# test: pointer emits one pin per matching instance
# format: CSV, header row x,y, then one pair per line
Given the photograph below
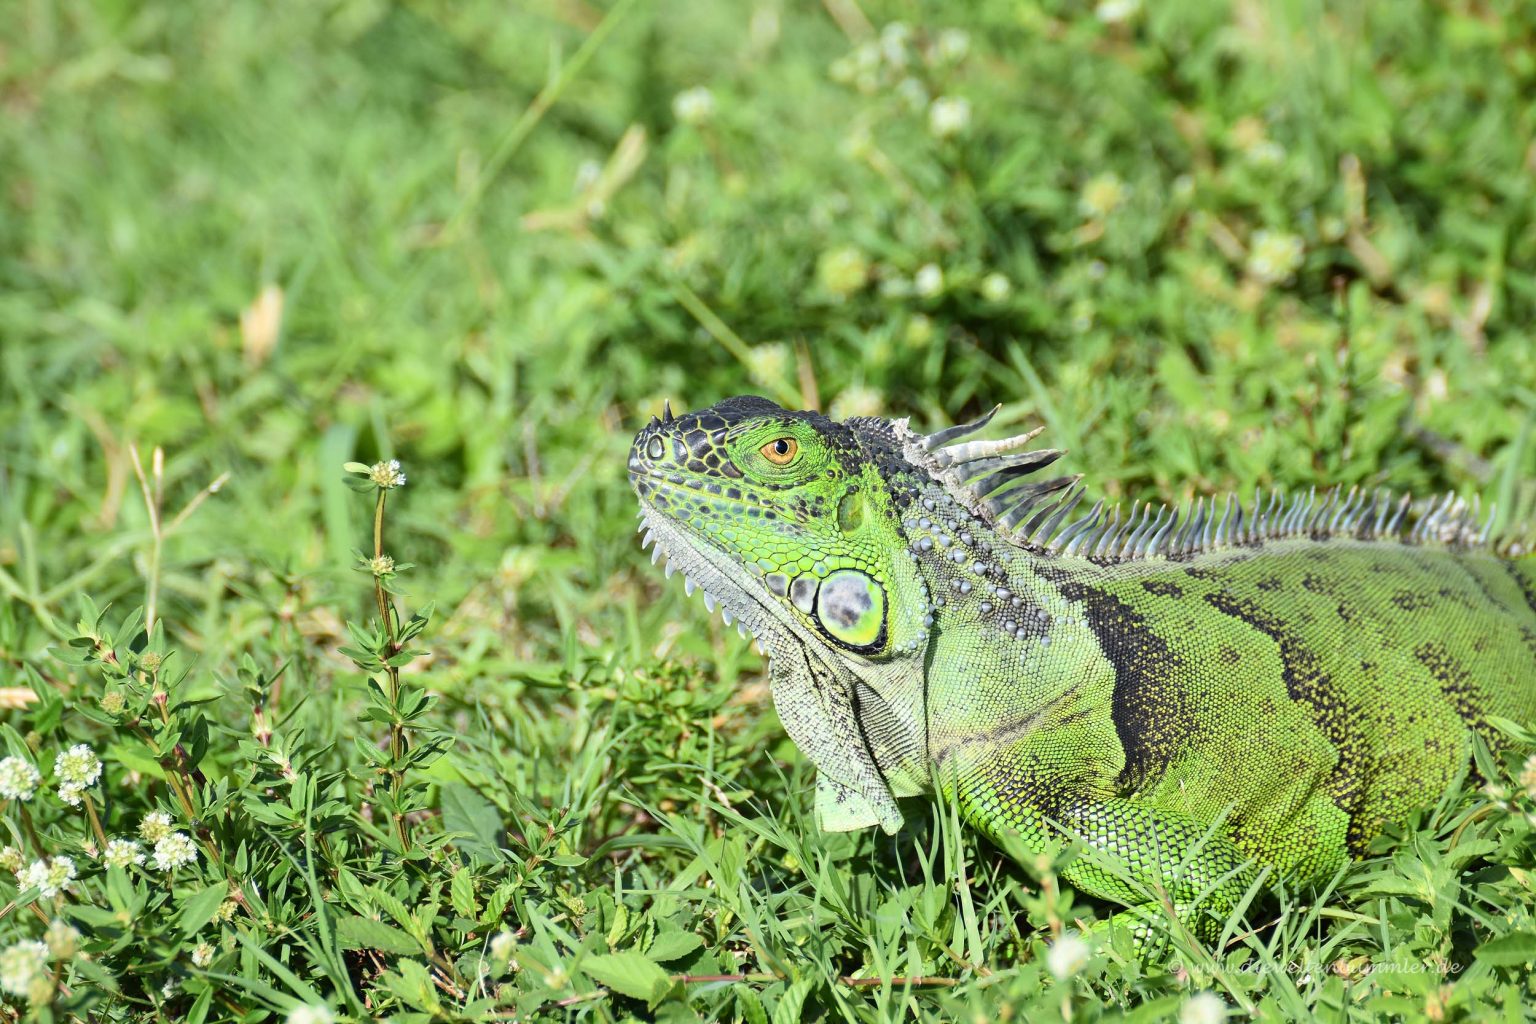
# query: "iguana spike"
x,y
1010,471
1221,536
972,451
666,411
1073,532
1487,533
1017,501
948,434
1402,509
1101,539
1045,521
1139,534
654,424
1158,545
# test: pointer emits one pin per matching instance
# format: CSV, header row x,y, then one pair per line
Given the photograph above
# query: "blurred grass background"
x,y
1209,244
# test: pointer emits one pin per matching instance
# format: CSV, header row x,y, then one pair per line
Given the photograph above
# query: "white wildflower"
x,y
694,106
387,475
122,853
1067,955
49,878
1116,12
1274,256
1203,1008
174,850
11,860
769,363
996,287
78,766
929,280
1102,195
952,45
155,826
1528,777
71,793
855,401
894,40
18,778
949,116
842,271
22,963
202,956
311,1015
62,939
503,945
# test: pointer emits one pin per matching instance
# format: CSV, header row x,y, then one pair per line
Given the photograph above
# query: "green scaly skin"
x,y
1197,716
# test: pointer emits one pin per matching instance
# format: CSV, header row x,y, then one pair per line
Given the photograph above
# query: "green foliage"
x,y
1209,245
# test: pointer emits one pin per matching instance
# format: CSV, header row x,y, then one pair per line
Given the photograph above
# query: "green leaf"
x,y
461,892
1510,950
357,932
673,944
477,820
630,974
198,909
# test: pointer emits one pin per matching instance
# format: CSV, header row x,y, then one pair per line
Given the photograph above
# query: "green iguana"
x,y
1198,697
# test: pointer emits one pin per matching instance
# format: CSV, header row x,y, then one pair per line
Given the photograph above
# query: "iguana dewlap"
x,y
1196,697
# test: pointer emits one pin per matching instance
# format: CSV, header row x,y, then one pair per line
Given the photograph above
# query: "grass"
x,y
1208,245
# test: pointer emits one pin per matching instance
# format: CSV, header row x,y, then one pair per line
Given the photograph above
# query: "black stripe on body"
x,y
1150,705
1309,684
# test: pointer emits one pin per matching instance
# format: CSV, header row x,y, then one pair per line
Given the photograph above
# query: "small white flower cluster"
x,y
387,475
77,769
49,878
21,965
1067,956
1274,256
174,851
303,1014
888,59
694,106
1203,1008
928,282
122,853
1117,12
1102,195
18,778
202,956
949,116
155,826
1528,777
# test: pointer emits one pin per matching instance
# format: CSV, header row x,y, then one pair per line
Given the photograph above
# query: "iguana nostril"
x,y
655,449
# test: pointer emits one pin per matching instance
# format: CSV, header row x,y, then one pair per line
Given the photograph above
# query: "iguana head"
x,y
825,539
785,520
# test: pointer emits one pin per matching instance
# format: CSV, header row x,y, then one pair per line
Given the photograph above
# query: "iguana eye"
x,y
782,451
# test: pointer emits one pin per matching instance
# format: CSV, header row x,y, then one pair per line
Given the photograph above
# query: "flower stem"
x,y
31,831
90,812
397,737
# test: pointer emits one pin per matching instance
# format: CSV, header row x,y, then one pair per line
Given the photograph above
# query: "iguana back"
x,y
1196,697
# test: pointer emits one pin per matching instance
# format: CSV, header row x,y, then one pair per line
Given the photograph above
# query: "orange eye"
x,y
781,452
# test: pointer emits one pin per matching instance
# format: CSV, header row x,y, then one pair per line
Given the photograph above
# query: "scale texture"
x,y
1197,697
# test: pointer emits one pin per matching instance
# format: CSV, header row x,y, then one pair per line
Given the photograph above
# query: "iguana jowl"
x,y
1196,696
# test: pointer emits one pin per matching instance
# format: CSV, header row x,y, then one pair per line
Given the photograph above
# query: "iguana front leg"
x,y
1138,855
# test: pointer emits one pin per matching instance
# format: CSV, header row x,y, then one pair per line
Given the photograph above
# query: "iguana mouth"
x,y
698,563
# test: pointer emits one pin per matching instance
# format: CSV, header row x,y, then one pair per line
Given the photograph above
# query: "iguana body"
x,y
1197,698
